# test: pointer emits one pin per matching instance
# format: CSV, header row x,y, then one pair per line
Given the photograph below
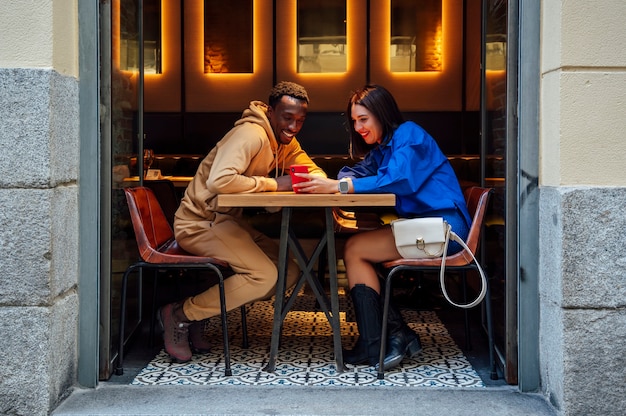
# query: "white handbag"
x,y
420,238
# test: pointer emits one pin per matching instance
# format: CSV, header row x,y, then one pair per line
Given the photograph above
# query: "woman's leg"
x,y
363,251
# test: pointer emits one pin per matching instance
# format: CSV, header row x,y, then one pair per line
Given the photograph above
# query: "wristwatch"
x,y
344,186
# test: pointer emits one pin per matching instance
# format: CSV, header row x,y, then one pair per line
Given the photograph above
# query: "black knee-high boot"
x,y
368,318
401,340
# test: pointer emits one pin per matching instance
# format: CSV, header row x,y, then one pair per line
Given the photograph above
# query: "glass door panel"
x,y
494,119
121,92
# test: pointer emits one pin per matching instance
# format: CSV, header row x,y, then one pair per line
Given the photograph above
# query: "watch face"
x,y
344,187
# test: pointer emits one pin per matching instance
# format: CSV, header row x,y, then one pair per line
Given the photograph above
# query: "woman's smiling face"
x,y
366,125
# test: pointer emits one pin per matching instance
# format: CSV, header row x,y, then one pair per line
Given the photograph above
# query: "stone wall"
x,y
583,299
39,162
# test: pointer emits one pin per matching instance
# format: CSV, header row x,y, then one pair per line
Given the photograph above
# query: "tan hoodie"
x,y
242,161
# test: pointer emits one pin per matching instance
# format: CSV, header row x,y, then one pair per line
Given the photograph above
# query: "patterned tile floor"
x,y
305,354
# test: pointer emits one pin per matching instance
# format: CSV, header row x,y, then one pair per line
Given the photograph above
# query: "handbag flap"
x,y
428,230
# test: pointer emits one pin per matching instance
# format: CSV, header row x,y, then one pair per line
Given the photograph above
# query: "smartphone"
x,y
297,169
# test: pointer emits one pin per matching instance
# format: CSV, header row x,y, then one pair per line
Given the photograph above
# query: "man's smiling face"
x,y
287,117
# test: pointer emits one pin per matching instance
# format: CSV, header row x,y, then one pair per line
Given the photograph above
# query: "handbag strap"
x,y
483,280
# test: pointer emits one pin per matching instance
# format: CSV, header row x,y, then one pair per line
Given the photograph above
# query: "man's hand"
x,y
284,183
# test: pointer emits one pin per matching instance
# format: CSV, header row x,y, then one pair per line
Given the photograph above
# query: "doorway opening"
x,y
176,108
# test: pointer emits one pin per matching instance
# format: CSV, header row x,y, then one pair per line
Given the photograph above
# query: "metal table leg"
x,y
334,289
280,288
289,240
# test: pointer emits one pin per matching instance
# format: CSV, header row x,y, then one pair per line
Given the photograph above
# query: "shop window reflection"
x,y
129,36
228,42
416,36
322,36
495,52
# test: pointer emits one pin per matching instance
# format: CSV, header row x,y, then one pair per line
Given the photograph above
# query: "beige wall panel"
x,y
26,34
592,126
583,34
65,43
41,34
593,33
550,36
583,93
550,135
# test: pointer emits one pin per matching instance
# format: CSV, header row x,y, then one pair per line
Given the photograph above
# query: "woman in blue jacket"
x,y
403,159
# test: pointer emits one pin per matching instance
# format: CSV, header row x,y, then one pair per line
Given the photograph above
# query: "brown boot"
x,y
175,327
197,337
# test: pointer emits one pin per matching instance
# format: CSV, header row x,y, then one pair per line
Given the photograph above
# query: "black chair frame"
x,y
179,266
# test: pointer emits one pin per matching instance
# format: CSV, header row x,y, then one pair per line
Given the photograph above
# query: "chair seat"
x,y
459,259
172,253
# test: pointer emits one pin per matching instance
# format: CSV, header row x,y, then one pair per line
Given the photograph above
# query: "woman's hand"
x,y
316,184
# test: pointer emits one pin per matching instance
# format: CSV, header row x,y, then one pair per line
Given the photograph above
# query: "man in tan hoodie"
x,y
253,156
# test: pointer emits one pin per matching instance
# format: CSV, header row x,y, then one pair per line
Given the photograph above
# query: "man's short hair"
x,y
287,88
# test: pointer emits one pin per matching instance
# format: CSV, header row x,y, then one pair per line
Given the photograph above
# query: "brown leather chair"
x,y
159,251
477,199
166,194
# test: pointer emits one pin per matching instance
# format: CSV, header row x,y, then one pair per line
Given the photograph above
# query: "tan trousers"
x,y
252,255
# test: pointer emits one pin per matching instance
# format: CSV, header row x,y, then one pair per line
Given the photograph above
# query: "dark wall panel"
x,y
323,133
204,130
163,132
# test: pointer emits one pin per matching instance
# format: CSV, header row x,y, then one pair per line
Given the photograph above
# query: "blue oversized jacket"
x,y
412,167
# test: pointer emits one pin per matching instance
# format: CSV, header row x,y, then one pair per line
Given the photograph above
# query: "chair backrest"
x,y
476,199
166,194
152,229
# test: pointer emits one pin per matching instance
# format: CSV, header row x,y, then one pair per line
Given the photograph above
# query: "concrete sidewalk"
x,y
289,400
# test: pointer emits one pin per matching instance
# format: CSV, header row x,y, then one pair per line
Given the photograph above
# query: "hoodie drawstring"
x,y
276,163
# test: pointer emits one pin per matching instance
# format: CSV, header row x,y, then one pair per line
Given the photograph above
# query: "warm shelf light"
x,y
328,91
438,90
224,92
415,36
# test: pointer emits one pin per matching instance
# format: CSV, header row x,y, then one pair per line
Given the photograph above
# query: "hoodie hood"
x,y
257,113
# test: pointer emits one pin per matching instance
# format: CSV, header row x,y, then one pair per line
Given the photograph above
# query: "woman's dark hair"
x,y
378,101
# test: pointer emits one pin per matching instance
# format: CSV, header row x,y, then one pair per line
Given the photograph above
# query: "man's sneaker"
x,y
175,327
198,338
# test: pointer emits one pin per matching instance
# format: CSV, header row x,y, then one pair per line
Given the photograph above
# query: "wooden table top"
x,y
292,199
